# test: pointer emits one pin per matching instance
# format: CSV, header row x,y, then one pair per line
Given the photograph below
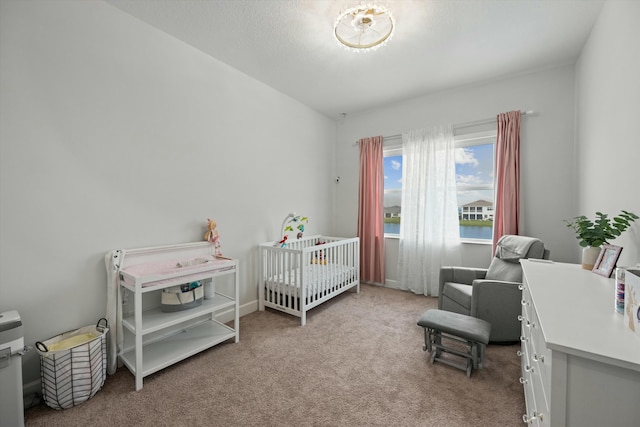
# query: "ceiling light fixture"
x,y
363,28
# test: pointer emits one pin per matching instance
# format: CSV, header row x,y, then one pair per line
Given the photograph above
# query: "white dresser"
x,y
580,363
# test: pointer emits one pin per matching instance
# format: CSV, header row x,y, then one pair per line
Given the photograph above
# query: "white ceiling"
x,y
438,44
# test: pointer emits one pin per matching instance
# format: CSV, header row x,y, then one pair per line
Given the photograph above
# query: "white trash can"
x,y
11,349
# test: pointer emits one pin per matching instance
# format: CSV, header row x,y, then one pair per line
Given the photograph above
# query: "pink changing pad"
x,y
155,273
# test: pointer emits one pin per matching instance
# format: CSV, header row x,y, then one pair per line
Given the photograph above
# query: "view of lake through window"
x,y
474,180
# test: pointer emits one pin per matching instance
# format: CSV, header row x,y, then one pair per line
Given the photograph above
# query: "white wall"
x,y
116,135
608,120
547,151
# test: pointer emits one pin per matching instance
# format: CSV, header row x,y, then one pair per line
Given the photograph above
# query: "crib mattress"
x,y
157,273
316,277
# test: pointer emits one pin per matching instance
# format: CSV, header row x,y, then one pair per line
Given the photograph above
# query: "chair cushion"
x,y
459,293
458,325
504,270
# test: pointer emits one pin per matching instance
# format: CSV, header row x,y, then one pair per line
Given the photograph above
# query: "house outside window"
x,y
474,182
477,210
392,212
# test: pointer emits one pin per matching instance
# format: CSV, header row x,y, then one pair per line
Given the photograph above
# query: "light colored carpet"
x,y
358,362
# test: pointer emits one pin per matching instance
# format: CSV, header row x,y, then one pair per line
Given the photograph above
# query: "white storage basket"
x,y
73,365
181,297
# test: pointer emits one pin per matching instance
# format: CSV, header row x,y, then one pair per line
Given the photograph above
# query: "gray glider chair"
x,y
492,294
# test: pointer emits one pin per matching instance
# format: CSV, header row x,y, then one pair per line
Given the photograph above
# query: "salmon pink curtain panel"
x,y
507,176
371,210
429,229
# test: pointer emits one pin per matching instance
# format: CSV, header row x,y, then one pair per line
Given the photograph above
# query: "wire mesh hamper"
x,y
73,365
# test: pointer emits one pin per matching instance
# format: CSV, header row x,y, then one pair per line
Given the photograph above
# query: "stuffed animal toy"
x,y
213,236
319,256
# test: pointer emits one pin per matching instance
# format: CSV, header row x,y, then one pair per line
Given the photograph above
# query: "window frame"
x,y
393,147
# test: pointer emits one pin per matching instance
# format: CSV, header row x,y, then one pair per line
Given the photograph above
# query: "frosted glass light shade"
x,y
363,28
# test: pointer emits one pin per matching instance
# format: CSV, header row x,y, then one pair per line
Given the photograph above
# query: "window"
x,y
392,189
474,181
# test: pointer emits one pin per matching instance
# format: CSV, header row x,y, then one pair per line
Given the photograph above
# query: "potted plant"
x,y
593,234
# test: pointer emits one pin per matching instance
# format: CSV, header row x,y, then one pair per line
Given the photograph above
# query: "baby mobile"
x,y
213,237
292,224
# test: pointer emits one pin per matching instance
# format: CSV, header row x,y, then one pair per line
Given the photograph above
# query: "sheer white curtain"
x,y
429,230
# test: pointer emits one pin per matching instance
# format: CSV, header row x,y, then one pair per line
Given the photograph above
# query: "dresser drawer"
x,y
527,304
529,401
536,406
541,395
539,354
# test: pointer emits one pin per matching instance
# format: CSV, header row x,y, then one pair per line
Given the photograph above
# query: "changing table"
x,y
155,339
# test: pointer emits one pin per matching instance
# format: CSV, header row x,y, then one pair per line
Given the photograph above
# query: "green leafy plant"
x,y
598,232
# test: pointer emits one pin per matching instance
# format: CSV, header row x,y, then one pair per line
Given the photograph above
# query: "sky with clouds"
x,y
474,167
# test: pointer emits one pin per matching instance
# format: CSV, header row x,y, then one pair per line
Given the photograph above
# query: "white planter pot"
x,y
589,257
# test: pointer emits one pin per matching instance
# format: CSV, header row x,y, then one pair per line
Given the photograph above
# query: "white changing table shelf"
x,y
154,339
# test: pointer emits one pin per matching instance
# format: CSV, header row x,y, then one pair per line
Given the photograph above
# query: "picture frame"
x,y
607,259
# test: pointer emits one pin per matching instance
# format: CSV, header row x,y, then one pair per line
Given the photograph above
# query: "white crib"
x,y
307,272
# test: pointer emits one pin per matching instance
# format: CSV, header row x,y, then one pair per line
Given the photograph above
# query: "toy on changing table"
x,y
213,236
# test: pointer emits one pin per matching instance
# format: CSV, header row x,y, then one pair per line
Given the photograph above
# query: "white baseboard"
x,y
227,316
31,393
394,284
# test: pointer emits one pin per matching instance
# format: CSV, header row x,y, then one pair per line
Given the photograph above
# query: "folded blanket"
x,y
513,248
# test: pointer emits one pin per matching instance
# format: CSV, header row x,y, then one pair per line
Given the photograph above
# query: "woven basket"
x,y
73,365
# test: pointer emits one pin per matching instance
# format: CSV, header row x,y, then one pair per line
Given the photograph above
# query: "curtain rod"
x,y
462,125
